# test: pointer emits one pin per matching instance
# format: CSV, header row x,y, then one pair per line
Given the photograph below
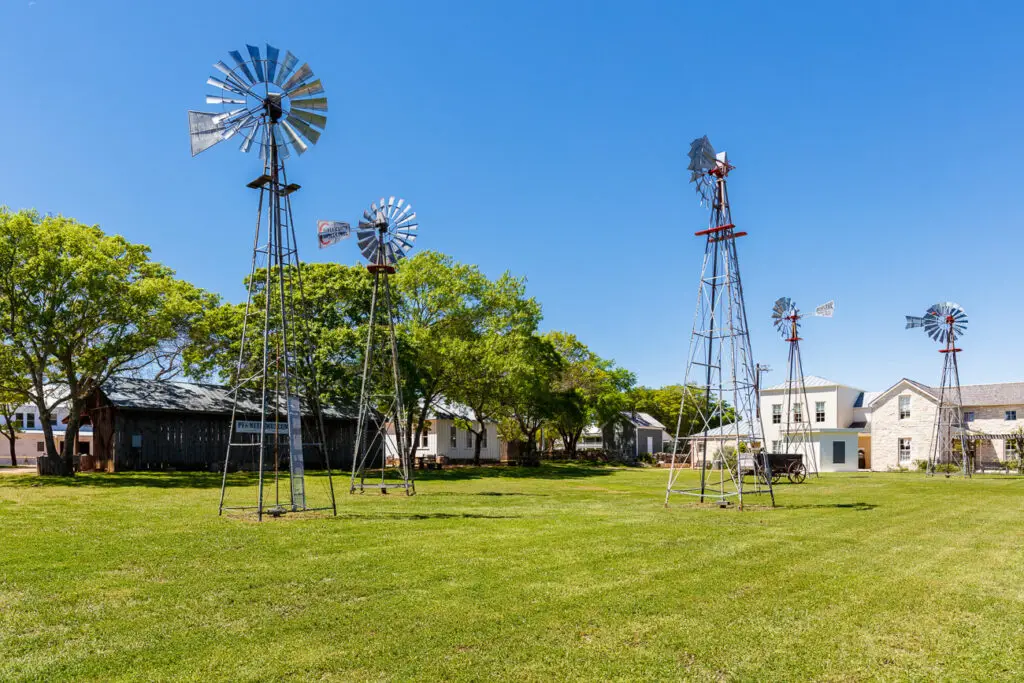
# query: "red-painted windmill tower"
x,y
945,322
720,373
796,425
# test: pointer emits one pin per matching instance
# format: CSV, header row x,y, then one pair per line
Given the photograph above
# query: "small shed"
x,y
141,424
632,434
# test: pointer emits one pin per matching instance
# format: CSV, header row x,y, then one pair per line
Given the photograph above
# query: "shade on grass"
x,y
566,572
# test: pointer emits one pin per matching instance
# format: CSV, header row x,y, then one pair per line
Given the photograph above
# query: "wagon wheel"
x,y
777,474
797,472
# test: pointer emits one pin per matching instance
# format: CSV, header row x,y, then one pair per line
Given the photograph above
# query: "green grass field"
x,y
566,572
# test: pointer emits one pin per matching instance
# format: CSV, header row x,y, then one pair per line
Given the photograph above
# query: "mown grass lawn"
x,y
566,572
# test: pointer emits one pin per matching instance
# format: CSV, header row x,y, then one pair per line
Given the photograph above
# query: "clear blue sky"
x,y
877,147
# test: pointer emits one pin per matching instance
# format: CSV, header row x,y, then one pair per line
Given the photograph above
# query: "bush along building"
x,y
142,424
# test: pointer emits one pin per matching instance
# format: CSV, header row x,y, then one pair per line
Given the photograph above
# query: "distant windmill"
x,y
945,322
796,436
386,234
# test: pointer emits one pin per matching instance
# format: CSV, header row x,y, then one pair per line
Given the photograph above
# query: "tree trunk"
x,y
476,447
14,451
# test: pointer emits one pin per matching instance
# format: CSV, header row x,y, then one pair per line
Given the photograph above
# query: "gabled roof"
x,y
924,389
184,397
810,381
1003,394
642,420
731,429
443,409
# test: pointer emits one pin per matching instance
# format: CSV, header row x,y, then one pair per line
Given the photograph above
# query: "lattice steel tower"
x,y
386,234
720,369
796,432
945,322
271,104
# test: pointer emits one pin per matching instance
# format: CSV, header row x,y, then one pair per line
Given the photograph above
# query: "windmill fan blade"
x,y
236,55
285,67
914,321
257,61
294,138
314,88
313,103
272,53
315,119
204,132
301,75
702,157
249,137
308,132
224,85
216,99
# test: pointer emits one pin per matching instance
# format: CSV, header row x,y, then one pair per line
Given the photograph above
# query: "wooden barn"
x,y
143,424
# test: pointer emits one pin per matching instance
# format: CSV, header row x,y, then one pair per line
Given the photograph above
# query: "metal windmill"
x,y
945,322
796,434
385,235
270,104
720,371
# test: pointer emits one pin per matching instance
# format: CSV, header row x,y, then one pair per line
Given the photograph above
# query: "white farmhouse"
x,y
443,437
29,440
834,425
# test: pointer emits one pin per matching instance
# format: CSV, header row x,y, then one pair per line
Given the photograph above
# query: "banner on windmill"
x,y
332,232
825,310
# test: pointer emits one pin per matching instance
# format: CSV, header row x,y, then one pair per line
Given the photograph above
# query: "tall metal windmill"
x,y
945,322
270,104
720,372
385,235
796,434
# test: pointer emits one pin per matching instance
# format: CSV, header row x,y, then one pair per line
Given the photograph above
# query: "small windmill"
x,y
385,235
796,435
945,322
720,368
270,104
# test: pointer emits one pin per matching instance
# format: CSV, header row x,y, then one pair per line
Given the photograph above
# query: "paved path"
x,y
17,470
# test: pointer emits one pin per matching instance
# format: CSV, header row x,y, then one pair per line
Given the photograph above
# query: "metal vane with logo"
x,y
332,232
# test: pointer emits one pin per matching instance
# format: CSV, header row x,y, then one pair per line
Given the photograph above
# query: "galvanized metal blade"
x,y
286,66
294,138
272,53
237,56
312,103
307,131
317,120
257,62
216,99
204,132
300,75
314,88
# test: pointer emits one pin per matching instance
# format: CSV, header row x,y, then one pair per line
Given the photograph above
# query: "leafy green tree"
x,y
591,389
78,306
528,395
484,357
663,404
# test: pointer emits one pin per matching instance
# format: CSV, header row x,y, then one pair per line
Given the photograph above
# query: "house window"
x,y
424,440
1011,415
483,438
1010,449
454,442
798,412
904,450
30,420
968,416
776,413
469,439
904,407
19,419
137,440
40,447
775,446
819,411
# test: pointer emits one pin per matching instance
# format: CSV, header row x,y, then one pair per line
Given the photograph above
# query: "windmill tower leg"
x,y
720,375
949,447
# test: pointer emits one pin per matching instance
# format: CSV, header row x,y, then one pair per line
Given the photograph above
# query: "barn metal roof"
x,y
810,381
128,393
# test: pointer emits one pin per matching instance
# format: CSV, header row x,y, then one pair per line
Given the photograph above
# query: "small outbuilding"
x,y
140,424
